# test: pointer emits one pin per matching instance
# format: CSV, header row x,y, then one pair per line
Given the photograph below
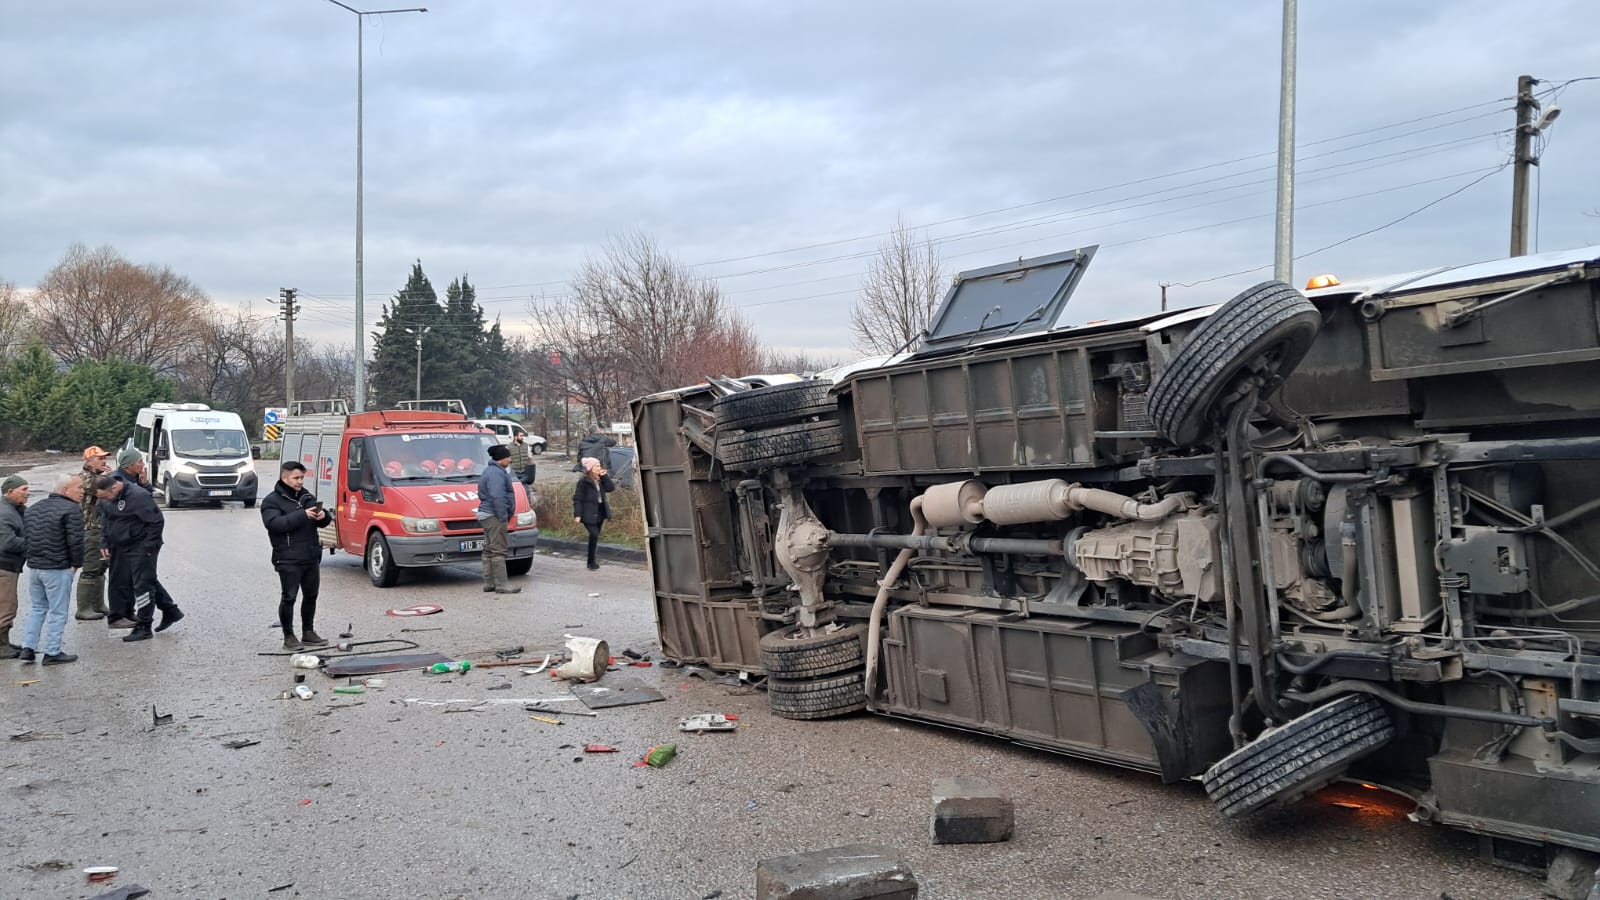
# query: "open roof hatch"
x,y
1023,297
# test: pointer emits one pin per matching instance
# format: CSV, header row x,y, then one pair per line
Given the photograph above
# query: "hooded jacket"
x,y
55,533
130,520
292,533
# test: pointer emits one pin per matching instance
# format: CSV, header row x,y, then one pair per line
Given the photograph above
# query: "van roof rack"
x,y
337,406
185,407
449,406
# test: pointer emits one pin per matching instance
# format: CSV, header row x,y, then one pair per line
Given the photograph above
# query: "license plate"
x,y
218,493
471,546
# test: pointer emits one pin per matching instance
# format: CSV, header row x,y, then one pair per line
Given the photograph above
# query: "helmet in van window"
x,y
394,469
464,464
445,466
428,466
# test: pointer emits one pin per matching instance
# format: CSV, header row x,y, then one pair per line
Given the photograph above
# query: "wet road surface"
x,y
371,796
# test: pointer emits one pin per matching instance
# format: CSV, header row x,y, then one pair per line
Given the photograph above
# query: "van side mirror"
x,y
160,453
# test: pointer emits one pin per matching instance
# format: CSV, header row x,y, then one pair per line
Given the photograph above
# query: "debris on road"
x,y
306,661
35,736
415,609
30,681
968,810
350,689
126,892
281,887
587,659
658,756
239,744
100,873
373,665
619,691
545,719
304,692
856,870
159,719
543,707
708,722
449,668
599,748
540,668
49,865
416,630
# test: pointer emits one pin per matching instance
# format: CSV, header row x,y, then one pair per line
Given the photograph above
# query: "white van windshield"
x,y
446,457
209,443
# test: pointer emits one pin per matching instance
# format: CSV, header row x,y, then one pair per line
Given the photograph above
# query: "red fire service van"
x,y
403,485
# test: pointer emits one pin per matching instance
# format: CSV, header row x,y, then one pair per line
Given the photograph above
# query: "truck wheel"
x,y
1265,330
380,564
1290,761
817,698
519,566
776,404
788,653
781,446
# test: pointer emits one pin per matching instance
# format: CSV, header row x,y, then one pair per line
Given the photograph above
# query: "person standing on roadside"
x,y
589,506
497,504
130,539
293,516
522,461
92,579
55,552
13,552
595,446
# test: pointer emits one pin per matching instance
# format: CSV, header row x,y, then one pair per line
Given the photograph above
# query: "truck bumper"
x,y
185,489
439,550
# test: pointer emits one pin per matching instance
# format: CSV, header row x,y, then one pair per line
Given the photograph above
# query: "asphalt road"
x,y
373,796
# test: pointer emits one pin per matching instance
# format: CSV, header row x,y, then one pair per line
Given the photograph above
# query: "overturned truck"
x,y
1350,532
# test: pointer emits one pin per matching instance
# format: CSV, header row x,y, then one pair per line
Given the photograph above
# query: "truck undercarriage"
x,y
1267,545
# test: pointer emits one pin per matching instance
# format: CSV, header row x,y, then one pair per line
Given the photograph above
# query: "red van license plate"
x,y
471,546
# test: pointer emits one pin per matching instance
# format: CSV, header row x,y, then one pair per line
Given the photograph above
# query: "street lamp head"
x,y
1548,119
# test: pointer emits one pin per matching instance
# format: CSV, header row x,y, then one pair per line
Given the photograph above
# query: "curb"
x,y
613,552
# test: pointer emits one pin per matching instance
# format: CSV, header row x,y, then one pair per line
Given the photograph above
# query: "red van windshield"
x,y
451,457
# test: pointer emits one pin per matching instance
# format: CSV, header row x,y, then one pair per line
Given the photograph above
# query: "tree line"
x,y
102,336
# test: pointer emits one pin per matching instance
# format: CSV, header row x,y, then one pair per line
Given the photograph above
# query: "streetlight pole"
x,y
1283,240
419,331
361,324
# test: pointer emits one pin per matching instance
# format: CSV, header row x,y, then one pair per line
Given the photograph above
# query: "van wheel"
x,y
380,564
519,566
250,504
166,495
1302,755
1264,331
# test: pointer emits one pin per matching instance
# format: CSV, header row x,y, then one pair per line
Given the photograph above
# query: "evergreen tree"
x,y
473,362
392,375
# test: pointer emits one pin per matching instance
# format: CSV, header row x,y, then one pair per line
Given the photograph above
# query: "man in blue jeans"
x,y
54,528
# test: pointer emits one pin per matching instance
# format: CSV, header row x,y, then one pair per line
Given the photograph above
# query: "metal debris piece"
x,y
28,682
545,719
162,719
239,744
619,691
708,722
546,708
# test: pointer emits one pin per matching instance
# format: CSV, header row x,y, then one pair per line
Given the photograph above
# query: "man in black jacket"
x,y
595,446
292,516
55,552
130,537
13,550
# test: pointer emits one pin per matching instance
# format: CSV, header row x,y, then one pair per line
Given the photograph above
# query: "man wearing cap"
x,y
13,552
497,503
92,579
130,538
131,468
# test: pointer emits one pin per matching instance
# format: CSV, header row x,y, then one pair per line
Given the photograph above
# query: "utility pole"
x,y
1522,163
1164,286
419,365
290,310
1283,240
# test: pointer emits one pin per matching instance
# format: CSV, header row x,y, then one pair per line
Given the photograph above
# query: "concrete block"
x,y
1573,875
970,810
854,872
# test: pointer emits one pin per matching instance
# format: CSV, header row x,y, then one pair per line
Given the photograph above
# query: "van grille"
x,y
461,525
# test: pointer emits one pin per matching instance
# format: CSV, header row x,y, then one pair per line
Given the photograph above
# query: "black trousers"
x,y
594,538
148,593
306,580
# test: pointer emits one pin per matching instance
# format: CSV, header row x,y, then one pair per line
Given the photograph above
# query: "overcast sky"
x,y
507,140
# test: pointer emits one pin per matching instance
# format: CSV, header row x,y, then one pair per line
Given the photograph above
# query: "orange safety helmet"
x,y
394,469
464,464
445,466
427,466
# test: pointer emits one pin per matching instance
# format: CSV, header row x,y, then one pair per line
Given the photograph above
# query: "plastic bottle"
x,y
448,667
304,692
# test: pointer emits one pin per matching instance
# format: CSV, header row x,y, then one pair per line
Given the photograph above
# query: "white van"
x,y
505,431
195,453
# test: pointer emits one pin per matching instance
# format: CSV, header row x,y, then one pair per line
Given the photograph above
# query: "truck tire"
x,y
519,566
785,445
777,404
787,654
380,562
1266,329
1290,761
817,698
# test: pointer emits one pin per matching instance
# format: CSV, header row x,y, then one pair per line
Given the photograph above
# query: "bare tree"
x,y
798,362
902,288
95,304
585,361
16,324
660,318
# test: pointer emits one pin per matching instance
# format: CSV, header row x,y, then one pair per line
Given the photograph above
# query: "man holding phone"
x,y
292,516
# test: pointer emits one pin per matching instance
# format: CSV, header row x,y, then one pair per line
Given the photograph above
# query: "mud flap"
x,y
1157,708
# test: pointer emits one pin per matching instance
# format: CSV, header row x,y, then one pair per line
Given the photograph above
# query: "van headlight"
x,y
527,519
245,465
182,468
419,526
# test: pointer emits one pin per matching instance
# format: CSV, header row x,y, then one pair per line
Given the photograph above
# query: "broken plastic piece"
x,y
415,609
599,748
708,722
541,667
546,719
100,873
350,689
660,755
240,744
305,661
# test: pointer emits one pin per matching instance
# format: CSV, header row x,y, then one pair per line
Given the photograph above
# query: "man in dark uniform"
x,y
130,538
292,516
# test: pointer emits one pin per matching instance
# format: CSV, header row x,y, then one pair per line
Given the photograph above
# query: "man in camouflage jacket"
x,y
92,579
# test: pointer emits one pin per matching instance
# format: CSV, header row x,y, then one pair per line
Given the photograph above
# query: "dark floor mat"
x,y
372,665
615,692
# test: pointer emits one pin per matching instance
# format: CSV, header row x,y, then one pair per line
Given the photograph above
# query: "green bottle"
x,y
445,668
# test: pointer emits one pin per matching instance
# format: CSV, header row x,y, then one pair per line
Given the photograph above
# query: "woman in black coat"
x,y
589,506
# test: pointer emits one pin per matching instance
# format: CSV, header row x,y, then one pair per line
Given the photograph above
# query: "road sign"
x,y
272,432
275,415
